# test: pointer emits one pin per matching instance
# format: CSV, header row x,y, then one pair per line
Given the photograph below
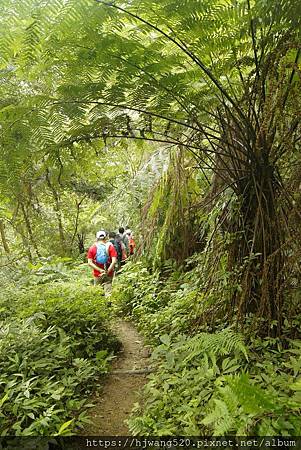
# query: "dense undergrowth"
x,y
211,378
55,345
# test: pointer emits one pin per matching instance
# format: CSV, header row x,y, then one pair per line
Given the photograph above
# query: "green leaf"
x,y
3,399
165,339
64,427
296,386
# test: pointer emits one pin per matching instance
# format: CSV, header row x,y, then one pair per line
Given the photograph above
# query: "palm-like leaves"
x,y
217,78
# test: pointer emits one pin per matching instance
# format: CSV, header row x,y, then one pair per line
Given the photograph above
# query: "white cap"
x,y
101,234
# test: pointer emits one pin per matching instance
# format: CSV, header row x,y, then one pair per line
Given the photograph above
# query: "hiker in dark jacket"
x,y
113,238
125,240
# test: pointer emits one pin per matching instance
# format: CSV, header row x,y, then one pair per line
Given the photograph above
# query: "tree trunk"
x,y
19,230
3,238
58,213
29,230
257,250
81,242
75,233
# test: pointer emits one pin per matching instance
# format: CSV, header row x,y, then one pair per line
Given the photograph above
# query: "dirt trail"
x,y
114,403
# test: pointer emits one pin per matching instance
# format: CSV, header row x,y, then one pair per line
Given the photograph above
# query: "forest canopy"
x,y
91,91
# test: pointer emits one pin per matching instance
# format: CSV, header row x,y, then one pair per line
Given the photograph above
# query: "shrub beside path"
x,y
114,403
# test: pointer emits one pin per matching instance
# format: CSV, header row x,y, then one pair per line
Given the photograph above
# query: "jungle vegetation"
x,y
181,118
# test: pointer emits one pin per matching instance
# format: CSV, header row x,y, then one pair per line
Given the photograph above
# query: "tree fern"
x,y
224,90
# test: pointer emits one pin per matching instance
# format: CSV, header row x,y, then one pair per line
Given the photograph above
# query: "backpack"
x,y
132,245
118,248
101,254
123,252
125,240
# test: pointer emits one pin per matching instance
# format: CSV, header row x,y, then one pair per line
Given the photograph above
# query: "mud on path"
x,y
113,404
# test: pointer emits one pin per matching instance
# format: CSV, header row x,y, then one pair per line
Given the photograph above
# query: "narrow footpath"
x,y
114,403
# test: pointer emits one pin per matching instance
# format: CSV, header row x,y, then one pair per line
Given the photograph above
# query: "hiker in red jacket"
x,y
132,243
102,257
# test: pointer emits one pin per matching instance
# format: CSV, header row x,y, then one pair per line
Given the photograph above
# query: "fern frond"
x,y
220,418
223,343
